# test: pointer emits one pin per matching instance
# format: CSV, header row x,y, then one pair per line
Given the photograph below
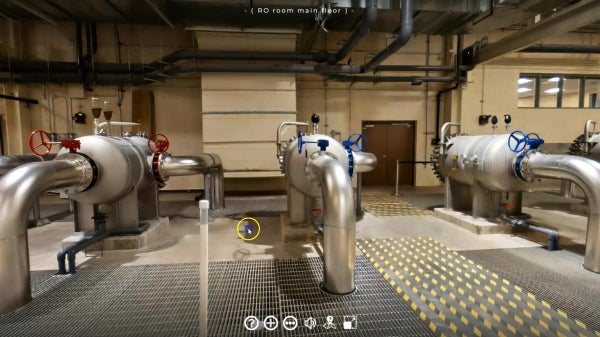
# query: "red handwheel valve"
x,y
44,142
158,143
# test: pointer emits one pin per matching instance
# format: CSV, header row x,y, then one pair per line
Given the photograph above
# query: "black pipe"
x,y
70,67
256,68
364,26
79,50
438,96
71,251
411,67
20,99
438,108
45,77
237,55
381,79
490,13
403,37
561,48
553,236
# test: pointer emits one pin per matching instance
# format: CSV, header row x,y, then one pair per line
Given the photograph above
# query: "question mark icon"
x,y
251,323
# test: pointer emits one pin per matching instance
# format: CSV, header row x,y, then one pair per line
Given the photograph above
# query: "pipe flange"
x,y
90,170
521,168
157,159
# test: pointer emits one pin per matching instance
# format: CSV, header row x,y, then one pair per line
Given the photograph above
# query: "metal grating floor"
x,y
161,300
457,297
380,204
555,277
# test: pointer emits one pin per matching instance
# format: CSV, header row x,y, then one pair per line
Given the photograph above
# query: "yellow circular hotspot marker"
x,y
237,229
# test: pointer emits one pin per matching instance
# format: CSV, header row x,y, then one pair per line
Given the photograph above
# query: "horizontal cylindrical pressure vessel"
x,y
486,160
120,165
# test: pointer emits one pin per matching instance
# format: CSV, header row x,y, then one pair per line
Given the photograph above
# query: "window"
x,y
526,92
592,88
571,92
558,91
550,87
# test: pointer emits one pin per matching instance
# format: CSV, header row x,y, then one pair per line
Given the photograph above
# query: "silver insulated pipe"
x,y
19,189
339,224
487,162
585,173
8,163
165,165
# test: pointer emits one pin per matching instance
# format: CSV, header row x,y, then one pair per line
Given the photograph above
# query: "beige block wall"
x,y
492,90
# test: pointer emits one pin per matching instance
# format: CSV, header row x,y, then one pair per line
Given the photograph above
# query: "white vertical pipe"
x,y
204,206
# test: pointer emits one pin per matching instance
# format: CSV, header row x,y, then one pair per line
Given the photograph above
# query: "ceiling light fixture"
x,y
522,90
552,90
524,80
554,79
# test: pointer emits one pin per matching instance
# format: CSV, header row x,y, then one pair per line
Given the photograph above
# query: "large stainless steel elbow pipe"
x,y
8,163
189,165
165,165
339,224
585,173
364,161
18,191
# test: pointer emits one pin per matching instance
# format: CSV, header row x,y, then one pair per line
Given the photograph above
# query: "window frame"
x,y
537,77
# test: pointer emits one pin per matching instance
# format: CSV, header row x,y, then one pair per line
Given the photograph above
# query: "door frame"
x,y
414,140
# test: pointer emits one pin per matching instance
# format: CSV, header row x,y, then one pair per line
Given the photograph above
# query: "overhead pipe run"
x,y
561,48
416,80
403,37
575,16
364,26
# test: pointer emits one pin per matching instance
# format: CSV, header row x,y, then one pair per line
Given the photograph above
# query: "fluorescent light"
x,y
552,90
522,90
554,79
524,80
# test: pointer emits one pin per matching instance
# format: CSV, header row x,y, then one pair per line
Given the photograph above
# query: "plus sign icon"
x,y
271,323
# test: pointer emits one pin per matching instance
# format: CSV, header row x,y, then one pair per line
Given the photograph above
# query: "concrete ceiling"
x,y
443,17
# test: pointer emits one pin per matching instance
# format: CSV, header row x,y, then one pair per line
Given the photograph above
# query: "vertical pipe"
x,y
585,173
339,225
204,206
359,210
20,188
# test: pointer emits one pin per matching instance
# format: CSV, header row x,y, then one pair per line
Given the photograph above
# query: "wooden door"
x,y
390,142
142,111
376,144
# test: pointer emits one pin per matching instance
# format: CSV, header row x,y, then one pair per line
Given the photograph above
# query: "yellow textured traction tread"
x,y
428,253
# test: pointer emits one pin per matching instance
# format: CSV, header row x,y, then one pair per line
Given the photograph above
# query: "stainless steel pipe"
x,y
339,224
208,164
8,163
188,165
278,142
19,190
364,161
99,126
585,173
